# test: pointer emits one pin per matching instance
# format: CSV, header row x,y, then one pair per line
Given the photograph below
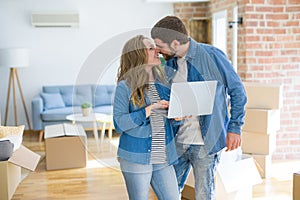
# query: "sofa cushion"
x,y
52,100
103,95
59,114
108,109
72,95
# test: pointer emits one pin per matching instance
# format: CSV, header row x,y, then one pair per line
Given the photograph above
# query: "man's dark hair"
x,y
170,28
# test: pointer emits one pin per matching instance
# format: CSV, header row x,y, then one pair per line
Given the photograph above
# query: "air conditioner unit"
x,y
55,19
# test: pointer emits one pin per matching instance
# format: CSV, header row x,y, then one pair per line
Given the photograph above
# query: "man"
x,y
200,139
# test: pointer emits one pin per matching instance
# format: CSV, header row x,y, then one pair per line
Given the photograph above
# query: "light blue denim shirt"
x,y
135,129
207,63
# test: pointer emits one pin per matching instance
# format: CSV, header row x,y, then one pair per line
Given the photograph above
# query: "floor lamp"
x,y
14,59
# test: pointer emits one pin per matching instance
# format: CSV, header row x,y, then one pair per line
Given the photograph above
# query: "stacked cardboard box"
x,y
296,186
262,121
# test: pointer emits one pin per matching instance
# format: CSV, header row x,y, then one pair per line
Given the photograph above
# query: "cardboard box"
x,y
10,170
65,146
264,95
188,191
296,186
263,164
262,121
235,176
234,180
256,143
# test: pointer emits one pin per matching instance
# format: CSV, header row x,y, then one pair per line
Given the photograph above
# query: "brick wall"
x,y
268,52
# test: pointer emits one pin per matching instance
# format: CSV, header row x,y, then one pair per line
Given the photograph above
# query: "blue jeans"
x,y
138,178
204,168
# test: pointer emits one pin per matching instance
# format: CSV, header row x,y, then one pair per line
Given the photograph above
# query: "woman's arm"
x,y
124,119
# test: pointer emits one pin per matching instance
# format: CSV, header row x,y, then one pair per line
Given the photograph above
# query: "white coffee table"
x,y
94,118
107,121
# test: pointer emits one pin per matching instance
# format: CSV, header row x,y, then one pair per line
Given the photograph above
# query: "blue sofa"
x,y
54,103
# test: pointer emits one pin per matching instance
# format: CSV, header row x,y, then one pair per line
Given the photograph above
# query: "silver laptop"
x,y
190,99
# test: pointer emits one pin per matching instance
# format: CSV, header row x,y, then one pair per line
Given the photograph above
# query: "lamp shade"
x,y
14,58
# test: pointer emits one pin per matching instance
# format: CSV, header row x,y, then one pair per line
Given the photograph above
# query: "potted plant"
x,y
86,108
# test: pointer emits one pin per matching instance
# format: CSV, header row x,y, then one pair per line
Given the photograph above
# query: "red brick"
x,y
293,156
262,23
201,9
293,9
289,52
285,37
278,156
265,60
279,2
280,60
295,59
252,38
292,45
254,46
258,1
278,9
294,2
296,30
282,142
263,53
273,24
268,38
263,9
251,23
264,31
250,60
256,68
290,66
292,23
187,10
285,122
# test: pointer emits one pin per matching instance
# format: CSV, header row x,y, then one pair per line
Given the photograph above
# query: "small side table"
x,y
106,120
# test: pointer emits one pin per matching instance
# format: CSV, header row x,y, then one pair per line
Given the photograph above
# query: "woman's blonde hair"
x,y
132,69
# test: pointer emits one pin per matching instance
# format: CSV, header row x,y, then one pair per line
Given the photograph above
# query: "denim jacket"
x,y
135,129
207,63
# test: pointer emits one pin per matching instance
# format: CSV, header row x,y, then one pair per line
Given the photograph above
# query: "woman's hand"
x,y
163,104
181,118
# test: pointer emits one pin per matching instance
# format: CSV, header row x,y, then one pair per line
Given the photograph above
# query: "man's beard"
x,y
168,57
171,55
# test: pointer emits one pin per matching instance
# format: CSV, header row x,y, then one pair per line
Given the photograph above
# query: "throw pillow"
x,y
52,100
13,134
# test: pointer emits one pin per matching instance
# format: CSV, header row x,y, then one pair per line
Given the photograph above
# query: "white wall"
x,y
59,56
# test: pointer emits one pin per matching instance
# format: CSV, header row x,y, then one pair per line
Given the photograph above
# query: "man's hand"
x,y
233,141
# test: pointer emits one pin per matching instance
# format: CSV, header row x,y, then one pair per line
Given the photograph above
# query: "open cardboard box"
x,y
236,175
66,146
10,170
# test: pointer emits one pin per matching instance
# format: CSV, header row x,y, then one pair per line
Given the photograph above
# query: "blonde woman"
x,y
146,149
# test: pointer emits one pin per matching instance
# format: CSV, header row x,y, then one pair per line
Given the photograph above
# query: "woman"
x,y
146,149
